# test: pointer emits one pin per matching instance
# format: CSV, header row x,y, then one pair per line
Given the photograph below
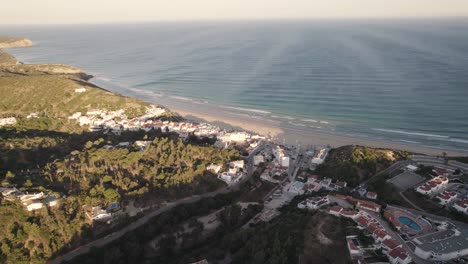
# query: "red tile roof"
x,y
362,221
372,227
348,212
335,209
381,233
369,205
463,202
391,243
398,253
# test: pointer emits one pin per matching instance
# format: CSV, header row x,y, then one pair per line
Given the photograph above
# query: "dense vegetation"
x,y
164,165
355,164
54,155
131,247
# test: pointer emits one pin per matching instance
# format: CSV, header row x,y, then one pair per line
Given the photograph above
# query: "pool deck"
x,y
393,214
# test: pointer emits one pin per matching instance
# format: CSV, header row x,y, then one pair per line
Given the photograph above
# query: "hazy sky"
x,y
92,11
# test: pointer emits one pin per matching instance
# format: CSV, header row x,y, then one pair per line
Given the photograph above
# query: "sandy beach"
x,y
285,133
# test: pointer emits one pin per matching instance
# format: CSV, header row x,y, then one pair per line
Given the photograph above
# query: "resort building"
x,y
443,245
462,205
399,255
407,222
433,186
281,156
447,197
380,235
366,205
390,244
319,156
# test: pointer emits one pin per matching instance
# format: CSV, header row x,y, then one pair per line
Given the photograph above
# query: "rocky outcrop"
x,y
6,58
37,69
9,42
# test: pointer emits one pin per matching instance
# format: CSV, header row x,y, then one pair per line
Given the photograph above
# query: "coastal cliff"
x,y
10,42
53,92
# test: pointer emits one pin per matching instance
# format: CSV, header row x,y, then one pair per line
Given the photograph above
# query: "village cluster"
x,y
31,201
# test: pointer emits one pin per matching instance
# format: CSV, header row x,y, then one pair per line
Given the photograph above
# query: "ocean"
x,y
397,80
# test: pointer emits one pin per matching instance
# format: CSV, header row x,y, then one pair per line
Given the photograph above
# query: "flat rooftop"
x,y
445,241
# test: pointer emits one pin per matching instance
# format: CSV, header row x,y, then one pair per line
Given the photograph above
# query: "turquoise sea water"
x,y
403,80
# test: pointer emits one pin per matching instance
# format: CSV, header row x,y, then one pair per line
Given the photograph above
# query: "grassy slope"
x,y
355,164
6,58
54,96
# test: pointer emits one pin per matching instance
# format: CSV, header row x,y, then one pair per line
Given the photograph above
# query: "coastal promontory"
x,y
11,42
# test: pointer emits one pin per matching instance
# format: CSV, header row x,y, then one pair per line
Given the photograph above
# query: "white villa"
x,y
433,186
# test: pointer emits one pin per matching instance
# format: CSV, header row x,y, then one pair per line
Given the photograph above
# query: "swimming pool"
x,y
409,222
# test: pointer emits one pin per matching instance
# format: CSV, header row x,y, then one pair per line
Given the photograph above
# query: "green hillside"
x,y
355,163
25,91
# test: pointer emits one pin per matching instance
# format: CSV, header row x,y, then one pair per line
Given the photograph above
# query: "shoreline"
x,y
225,117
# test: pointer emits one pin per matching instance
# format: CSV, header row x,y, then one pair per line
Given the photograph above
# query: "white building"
x,y
399,256
34,206
412,168
32,115
447,197
7,121
433,186
80,90
443,245
462,205
281,156
28,197
214,168
319,156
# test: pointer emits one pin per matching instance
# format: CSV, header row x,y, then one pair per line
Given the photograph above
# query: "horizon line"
x,y
279,19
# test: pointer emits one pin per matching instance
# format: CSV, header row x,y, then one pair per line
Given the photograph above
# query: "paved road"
x,y
141,221
411,203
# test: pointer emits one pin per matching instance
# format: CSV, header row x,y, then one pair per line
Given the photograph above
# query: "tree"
x,y
111,195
